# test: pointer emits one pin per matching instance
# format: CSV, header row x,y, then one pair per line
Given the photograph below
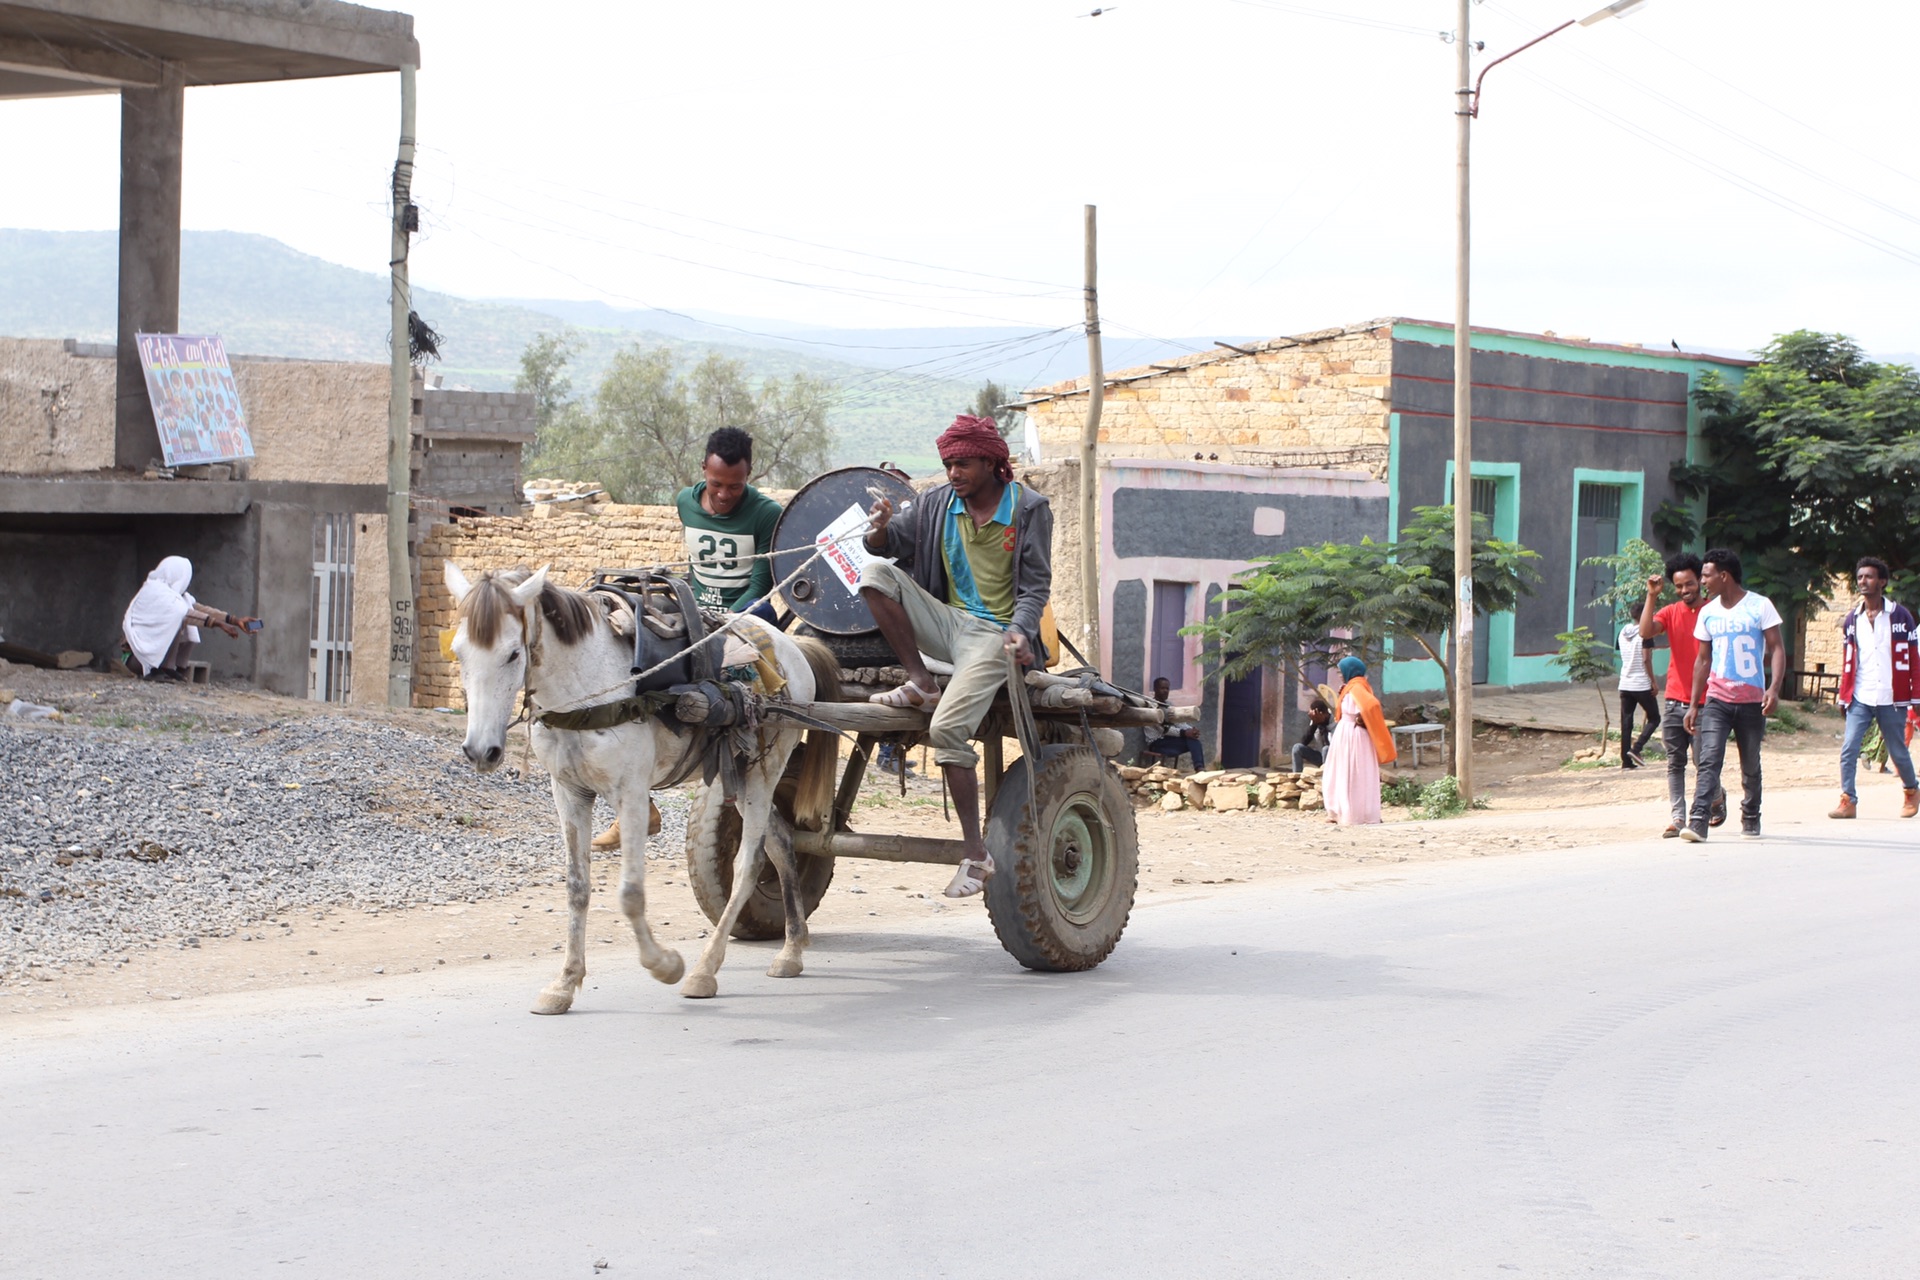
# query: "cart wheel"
x,y
713,837
1061,897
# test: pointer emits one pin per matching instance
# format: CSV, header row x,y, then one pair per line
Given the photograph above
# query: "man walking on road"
x,y
1737,676
1676,622
1880,655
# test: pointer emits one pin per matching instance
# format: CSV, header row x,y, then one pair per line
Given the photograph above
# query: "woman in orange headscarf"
x,y
1350,786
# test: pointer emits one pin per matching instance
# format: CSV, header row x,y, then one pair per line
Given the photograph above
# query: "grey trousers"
x,y
1675,739
973,646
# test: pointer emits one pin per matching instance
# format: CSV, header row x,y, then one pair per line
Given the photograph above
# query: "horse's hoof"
x,y
553,1002
782,967
671,968
701,986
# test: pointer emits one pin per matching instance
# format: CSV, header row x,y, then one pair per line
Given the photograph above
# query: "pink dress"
x,y
1350,784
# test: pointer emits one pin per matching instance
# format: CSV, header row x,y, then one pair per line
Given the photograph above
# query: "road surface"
x,y
1648,1059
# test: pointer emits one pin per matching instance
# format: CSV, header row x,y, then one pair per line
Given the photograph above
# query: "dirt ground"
x,y
1519,772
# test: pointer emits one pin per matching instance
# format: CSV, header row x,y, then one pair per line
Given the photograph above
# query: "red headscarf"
x,y
971,437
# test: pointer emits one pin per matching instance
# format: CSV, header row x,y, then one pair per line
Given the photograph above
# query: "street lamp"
x,y
1466,107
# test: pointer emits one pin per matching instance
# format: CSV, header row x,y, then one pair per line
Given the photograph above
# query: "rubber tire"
x,y
868,649
1031,919
713,838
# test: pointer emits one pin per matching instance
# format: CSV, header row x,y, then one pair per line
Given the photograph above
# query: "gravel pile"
x,y
115,836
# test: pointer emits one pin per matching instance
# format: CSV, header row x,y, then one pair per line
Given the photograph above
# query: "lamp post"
x,y
1466,108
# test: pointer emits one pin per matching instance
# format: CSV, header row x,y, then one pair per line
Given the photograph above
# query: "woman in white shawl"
x,y
163,622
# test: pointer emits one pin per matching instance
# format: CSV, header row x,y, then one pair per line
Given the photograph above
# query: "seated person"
x,y
163,622
1312,747
970,575
1174,745
728,524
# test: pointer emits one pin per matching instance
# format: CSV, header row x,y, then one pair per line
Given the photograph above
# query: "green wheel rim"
x,y
1080,858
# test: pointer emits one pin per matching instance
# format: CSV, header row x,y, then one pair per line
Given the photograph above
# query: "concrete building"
x,y
289,538
1573,443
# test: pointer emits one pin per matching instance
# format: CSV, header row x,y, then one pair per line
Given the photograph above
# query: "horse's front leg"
x,y
779,845
664,963
756,804
575,808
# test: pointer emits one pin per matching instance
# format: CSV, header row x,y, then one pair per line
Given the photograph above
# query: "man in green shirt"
x,y
728,524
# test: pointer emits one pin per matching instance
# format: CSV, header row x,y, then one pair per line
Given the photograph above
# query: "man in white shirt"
x,y
1636,694
1736,685
1880,653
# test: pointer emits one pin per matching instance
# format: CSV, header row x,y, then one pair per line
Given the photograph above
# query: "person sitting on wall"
x,y
965,582
1312,747
729,529
1174,745
163,622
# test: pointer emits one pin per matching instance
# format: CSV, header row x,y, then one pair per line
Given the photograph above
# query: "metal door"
x,y
1597,534
330,648
1240,722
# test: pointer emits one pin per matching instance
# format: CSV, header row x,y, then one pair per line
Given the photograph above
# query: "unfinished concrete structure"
x,y
79,526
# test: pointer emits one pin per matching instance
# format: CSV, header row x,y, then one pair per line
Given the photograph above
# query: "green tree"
x,y
990,402
1587,663
1815,461
1318,603
644,435
1636,562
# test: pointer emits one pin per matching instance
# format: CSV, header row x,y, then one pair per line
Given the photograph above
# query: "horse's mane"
x,y
570,613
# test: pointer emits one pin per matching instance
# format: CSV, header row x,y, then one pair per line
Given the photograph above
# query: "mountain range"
x,y
898,387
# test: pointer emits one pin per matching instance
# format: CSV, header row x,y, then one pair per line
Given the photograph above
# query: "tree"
x,y
1636,562
645,434
1587,663
1315,604
990,402
1815,462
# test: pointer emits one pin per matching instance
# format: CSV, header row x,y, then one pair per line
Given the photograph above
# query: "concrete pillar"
x,y
152,129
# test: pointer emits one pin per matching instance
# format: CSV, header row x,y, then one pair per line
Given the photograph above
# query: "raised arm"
x,y
1650,625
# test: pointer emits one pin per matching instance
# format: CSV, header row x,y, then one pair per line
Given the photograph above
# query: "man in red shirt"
x,y
1676,622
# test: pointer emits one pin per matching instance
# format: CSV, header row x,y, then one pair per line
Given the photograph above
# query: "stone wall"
x,y
1819,641
56,408
572,543
467,451
1323,392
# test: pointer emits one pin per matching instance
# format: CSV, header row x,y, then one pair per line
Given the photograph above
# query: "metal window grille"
x,y
1600,501
330,652
1482,499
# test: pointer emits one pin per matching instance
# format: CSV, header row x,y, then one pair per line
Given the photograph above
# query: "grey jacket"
x,y
916,549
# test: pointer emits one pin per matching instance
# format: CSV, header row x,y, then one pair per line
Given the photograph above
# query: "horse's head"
x,y
490,645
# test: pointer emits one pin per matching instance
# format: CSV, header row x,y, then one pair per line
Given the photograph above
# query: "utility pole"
x,y
1089,462
401,628
1463,418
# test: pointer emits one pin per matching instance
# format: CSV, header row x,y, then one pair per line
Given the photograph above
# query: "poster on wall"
x,y
195,402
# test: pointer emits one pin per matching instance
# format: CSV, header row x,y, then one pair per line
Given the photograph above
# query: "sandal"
x,y
908,696
970,878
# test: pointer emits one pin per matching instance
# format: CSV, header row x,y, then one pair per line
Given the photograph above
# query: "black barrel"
x,y
819,595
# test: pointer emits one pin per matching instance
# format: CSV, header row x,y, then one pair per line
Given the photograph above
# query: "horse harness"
x,y
673,655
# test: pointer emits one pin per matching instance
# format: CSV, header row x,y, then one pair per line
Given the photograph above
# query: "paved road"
x,y
1646,1060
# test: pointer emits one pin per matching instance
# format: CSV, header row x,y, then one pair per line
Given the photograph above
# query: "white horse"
x,y
519,633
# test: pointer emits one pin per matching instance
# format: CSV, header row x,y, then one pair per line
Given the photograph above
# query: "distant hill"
x,y
267,299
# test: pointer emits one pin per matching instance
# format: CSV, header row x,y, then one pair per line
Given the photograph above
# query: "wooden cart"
x,y
1062,834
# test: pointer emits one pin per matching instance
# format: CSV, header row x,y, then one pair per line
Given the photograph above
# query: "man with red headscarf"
x,y
965,582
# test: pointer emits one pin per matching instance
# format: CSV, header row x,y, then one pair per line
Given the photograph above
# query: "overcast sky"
x,y
1712,171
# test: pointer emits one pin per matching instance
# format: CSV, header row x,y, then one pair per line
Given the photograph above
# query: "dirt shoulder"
x,y
1182,855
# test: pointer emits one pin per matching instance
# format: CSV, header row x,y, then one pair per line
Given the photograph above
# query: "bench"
x,y
1418,737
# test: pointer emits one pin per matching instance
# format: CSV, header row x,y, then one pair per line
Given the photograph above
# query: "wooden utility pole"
x,y
400,637
1463,418
1089,462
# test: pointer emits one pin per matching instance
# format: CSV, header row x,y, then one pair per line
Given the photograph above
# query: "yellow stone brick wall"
x,y
573,544
1320,392
1820,629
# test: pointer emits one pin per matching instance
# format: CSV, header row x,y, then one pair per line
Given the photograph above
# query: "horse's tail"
x,y
820,757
